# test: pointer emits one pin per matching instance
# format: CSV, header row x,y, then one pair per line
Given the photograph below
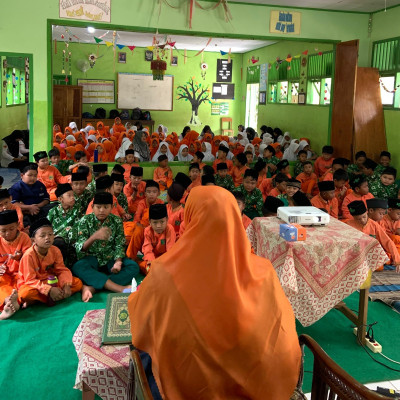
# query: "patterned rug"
x,y
385,287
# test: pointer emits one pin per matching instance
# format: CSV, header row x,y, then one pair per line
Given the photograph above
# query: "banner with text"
x,y
287,23
90,10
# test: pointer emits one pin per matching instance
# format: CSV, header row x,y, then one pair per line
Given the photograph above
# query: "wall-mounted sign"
x,y
224,70
90,10
284,22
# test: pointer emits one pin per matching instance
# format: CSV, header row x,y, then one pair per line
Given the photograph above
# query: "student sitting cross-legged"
x,y
326,198
43,276
134,189
391,221
159,237
175,208
13,244
6,204
100,249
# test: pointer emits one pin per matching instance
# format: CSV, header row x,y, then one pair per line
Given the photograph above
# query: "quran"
x,y
117,326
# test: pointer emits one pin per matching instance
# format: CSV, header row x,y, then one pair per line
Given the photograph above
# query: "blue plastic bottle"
x,y
96,156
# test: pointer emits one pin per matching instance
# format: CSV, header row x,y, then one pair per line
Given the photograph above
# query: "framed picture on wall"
x,y
302,98
174,61
148,55
122,58
262,98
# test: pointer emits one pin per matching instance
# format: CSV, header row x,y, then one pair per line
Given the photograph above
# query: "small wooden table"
x,y
319,273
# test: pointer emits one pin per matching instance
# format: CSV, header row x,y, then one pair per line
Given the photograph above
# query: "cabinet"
x,y
67,105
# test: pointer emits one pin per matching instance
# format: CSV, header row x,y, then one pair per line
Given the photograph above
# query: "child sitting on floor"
x,y
368,170
385,186
261,167
363,223
377,209
308,180
129,163
384,162
223,179
117,191
292,187
221,157
81,194
238,170
6,204
270,158
163,173
100,249
134,189
208,180
337,163
13,244
43,276
326,198
253,197
61,165
159,237
341,179
176,212
283,167
360,191
271,205
194,175
324,162
99,170
279,183
30,195
198,158
356,169
391,222
249,158
246,221
301,159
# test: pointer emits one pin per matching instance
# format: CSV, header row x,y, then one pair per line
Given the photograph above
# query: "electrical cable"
x,y
396,362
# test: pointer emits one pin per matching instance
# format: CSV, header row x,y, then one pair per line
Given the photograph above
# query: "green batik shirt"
x,y
379,169
284,198
123,201
274,161
92,187
64,222
381,191
298,168
253,201
83,201
103,250
63,166
226,183
373,178
353,170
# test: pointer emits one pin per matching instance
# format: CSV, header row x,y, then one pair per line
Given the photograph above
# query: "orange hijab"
x,y
90,150
68,131
81,134
228,330
60,149
60,136
71,150
110,149
154,146
101,129
101,156
118,127
278,153
207,138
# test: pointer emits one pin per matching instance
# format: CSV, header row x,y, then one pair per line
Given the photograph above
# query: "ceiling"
x,y
140,39
340,5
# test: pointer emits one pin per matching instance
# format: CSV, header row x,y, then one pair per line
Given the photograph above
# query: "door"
x,y
253,90
67,105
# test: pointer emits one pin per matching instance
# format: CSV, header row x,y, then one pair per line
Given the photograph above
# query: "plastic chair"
x,y
229,131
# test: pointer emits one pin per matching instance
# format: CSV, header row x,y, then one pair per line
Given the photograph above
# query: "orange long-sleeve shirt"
x,y
134,197
246,221
330,206
155,244
127,168
265,187
229,163
275,192
142,212
372,228
237,174
195,183
116,209
34,269
51,177
309,183
389,225
21,244
163,175
175,218
352,197
17,208
321,166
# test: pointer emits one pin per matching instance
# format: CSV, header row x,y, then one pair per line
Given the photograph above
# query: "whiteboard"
x,y
140,90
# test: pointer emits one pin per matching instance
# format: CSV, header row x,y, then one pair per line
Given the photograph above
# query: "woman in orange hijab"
x,y
59,137
208,138
101,129
101,153
215,321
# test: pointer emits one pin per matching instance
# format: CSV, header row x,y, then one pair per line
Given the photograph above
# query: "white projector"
x,y
303,215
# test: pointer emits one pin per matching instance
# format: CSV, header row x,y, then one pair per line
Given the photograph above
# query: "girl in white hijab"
x,y
290,153
250,147
126,143
162,151
71,137
242,138
162,130
73,126
263,146
187,157
206,148
285,142
86,130
230,155
92,139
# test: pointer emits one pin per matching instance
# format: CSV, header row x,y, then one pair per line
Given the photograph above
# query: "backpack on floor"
x,y
124,114
136,114
114,114
146,116
100,113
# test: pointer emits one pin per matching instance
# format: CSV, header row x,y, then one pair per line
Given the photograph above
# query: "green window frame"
x,y
319,78
15,78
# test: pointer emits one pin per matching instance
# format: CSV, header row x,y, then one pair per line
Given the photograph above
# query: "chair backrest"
x,y
227,120
138,386
330,381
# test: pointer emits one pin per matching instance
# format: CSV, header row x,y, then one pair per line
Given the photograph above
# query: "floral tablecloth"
x,y
104,369
318,273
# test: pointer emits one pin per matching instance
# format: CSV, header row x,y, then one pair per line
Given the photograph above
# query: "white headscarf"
x,y
230,155
303,144
90,137
250,147
285,140
164,129
263,146
86,130
268,140
71,137
158,153
208,156
124,146
73,126
290,153
189,157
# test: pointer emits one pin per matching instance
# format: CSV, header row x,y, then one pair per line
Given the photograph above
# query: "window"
x,y
252,104
319,78
15,76
281,81
386,57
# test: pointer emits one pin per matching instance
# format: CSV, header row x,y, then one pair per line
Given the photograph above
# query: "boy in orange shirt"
x,y
221,158
239,168
194,175
246,221
198,158
341,179
360,188
13,244
135,188
326,198
308,180
129,163
6,204
283,167
280,182
163,173
47,174
337,163
175,209
391,221
42,274
377,209
363,223
324,162
159,237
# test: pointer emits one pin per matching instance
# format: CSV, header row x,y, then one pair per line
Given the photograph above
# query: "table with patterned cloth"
x,y
318,273
101,369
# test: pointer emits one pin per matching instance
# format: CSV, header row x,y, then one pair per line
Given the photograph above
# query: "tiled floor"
x,y
388,385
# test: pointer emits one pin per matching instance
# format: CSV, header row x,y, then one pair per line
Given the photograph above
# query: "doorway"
x,y
252,94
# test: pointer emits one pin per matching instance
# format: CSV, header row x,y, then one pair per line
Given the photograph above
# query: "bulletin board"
x,y
224,91
97,91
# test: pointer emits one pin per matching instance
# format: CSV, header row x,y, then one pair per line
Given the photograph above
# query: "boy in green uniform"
x,y
253,198
385,187
222,178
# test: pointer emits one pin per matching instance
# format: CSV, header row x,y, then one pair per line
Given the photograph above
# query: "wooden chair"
x,y
229,131
330,381
138,386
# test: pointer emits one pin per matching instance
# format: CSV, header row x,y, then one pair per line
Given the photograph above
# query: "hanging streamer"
x,y
229,56
55,46
184,57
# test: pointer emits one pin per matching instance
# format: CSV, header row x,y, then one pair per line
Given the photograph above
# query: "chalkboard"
x,y
140,90
224,70
223,91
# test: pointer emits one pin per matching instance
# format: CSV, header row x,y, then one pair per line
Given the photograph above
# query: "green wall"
x,y
11,117
293,117
135,63
248,20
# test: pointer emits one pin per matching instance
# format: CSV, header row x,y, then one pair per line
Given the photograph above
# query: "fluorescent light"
x,y
90,29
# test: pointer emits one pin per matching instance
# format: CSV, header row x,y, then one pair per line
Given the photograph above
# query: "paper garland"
x,y
386,89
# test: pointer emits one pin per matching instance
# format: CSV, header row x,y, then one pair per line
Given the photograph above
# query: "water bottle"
x,y
96,156
52,280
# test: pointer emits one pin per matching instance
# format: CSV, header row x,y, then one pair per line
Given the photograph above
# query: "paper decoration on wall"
x,y
255,60
99,11
224,70
225,91
263,77
196,94
283,22
385,88
220,108
83,65
204,68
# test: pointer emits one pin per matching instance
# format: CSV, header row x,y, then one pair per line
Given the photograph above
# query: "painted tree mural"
x,y
195,93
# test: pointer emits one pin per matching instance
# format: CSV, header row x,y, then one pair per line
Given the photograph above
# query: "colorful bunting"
x,y
150,48
223,53
97,40
289,59
121,46
108,44
131,48
305,52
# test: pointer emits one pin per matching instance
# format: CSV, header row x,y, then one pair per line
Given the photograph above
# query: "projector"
x,y
303,215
